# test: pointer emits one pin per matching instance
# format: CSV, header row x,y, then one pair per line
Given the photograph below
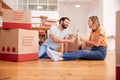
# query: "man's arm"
x,y
58,40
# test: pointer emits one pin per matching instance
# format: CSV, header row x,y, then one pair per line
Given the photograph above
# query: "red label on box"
x,y
18,15
27,40
18,57
7,25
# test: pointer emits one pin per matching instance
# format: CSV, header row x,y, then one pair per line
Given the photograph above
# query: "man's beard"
x,y
63,26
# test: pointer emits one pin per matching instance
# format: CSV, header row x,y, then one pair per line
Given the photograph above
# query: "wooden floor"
x,y
45,69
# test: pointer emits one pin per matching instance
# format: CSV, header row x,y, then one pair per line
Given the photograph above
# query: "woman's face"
x,y
90,23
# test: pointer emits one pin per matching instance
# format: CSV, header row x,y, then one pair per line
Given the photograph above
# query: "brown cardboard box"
x,y
117,49
16,19
75,46
61,48
18,44
46,22
0,5
118,38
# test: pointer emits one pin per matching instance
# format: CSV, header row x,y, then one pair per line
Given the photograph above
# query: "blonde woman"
x,y
97,40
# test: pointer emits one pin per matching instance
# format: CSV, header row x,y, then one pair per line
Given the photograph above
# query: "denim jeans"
x,y
96,53
42,51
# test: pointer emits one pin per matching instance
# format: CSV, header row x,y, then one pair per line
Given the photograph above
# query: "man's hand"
x,y
71,40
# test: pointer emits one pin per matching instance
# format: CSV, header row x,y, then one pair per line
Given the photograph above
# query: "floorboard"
x,y
45,69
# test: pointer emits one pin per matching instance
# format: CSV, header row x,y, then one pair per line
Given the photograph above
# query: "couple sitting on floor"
x,y
58,35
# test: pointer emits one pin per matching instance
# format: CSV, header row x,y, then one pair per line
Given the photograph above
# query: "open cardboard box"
x,y
75,46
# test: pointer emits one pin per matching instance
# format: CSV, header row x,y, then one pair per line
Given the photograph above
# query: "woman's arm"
x,y
95,43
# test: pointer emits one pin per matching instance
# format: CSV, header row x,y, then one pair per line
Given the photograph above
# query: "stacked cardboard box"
x,y
16,19
18,44
46,22
50,22
117,46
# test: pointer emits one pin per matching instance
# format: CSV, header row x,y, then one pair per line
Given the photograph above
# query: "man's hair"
x,y
63,18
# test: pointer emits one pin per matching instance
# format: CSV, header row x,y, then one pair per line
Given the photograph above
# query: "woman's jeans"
x,y
96,53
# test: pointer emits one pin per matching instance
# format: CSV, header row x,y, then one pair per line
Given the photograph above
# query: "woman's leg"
x,y
84,54
42,51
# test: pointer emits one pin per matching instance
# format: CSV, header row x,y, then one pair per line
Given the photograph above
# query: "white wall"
x,y
78,17
109,17
96,9
117,5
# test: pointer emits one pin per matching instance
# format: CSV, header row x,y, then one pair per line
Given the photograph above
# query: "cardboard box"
x,y
16,19
117,49
118,38
18,44
46,22
61,48
75,46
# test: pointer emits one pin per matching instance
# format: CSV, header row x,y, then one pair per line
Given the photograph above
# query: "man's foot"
x,y
53,54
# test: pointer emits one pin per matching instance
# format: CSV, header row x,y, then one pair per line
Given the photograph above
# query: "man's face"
x,y
65,23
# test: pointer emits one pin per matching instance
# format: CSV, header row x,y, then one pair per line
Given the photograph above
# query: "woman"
x,y
97,41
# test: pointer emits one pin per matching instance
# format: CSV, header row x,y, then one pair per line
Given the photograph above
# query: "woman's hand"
x,y
83,46
83,40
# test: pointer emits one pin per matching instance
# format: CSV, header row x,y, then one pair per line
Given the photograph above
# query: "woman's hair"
x,y
96,23
63,18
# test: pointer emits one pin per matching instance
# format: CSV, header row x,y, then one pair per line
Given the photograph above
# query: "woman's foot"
x,y
53,54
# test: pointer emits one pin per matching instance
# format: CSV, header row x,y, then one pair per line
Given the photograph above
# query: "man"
x,y
57,35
